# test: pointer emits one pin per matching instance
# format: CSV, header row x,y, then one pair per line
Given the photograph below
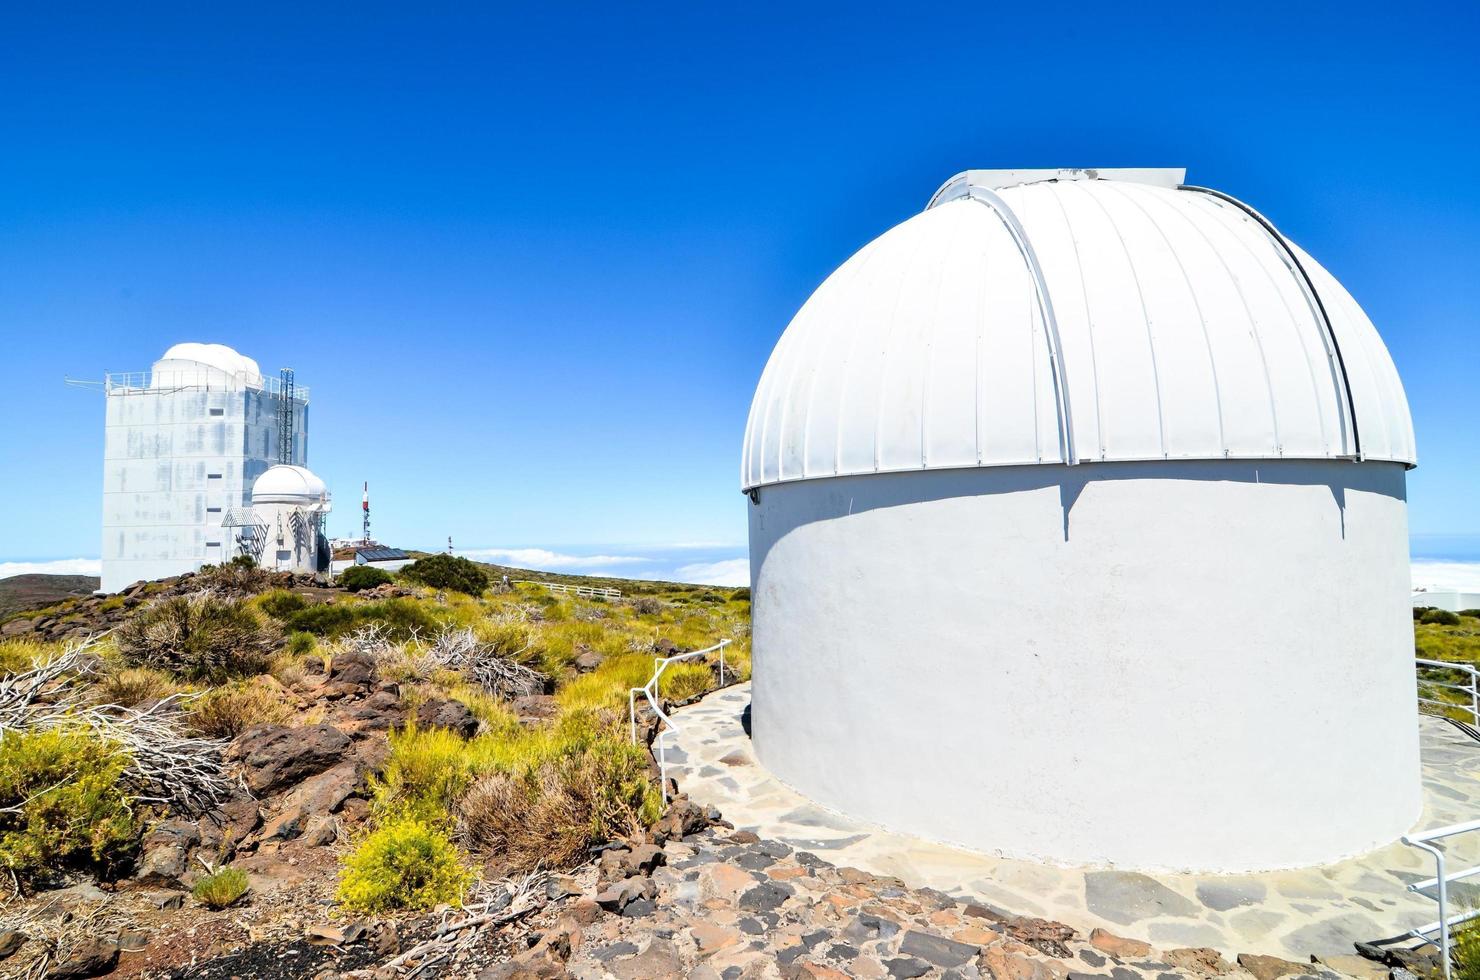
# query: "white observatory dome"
x,y
1051,317
193,363
283,484
1078,532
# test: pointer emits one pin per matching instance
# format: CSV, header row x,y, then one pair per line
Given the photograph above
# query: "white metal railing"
x,y
584,591
1440,883
1469,686
205,379
650,691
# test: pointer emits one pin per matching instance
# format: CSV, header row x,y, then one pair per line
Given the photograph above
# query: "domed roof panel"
x,y
1108,319
289,484
182,359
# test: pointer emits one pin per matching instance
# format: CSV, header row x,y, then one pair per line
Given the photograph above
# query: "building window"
x,y
213,476
218,411
213,510
213,544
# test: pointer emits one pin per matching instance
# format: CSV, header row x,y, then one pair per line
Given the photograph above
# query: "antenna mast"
x,y
365,507
285,417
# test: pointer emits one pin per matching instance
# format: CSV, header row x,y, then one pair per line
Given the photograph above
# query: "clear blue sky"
x,y
531,261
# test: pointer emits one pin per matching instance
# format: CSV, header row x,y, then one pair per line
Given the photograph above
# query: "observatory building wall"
x,y
175,460
1167,665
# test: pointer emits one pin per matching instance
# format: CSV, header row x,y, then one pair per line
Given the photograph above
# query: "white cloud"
x,y
550,560
59,566
735,571
1440,575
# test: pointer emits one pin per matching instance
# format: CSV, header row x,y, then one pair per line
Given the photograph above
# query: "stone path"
x,y
1295,914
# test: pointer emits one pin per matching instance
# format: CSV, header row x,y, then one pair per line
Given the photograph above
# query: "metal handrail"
x,y
205,379
650,691
1471,688
584,591
1425,842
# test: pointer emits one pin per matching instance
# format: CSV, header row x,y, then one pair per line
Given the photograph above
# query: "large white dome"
x,y
1057,316
199,364
283,484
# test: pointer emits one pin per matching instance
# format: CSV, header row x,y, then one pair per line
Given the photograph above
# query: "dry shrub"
x,y
226,712
201,636
555,814
240,576
647,606
132,687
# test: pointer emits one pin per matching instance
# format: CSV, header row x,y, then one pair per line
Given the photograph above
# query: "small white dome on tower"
x,y
194,364
283,484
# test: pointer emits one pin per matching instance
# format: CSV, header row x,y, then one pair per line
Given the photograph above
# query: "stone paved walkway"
x,y
1293,914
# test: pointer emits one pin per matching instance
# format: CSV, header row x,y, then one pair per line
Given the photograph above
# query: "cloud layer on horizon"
x,y
57,566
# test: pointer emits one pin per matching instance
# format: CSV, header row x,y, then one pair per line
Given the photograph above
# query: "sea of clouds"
x,y
727,565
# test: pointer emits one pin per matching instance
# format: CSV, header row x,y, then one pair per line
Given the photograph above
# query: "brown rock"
x,y
1119,946
275,757
1271,967
1204,962
166,852
91,956
710,937
535,708
1004,965
352,668
451,715
1353,966
587,660
657,961
585,911
683,817
11,940
744,837
805,970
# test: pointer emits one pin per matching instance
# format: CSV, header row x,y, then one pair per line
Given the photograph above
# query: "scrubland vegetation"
x,y
549,772
1452,638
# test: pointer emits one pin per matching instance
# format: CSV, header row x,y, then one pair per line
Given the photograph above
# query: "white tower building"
x,y
1078,532
184,442
289,504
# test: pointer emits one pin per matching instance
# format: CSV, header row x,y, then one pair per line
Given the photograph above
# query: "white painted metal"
x,y
285,484
650,692
1073,319
962,184
1440,882
183,444
1451,600
290,502
1463,679
1171,665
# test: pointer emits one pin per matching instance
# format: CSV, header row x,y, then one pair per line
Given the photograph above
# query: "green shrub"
x,y
448,572
402,617
358,578
240,575
221,888
301,644
280,603
685,680
1439,617
740,595
1471,613
404,864
61,800
198,636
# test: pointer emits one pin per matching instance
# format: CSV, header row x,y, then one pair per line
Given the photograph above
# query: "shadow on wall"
x,y
859,494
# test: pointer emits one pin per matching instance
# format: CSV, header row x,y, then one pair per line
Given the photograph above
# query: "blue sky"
x,y
531,259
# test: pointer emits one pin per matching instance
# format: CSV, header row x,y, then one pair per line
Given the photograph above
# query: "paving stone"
x,y
763,898
623,948
1220,896
906,967
936,949
1127,897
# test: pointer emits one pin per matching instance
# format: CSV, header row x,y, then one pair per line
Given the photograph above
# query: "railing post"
x,y
1474,700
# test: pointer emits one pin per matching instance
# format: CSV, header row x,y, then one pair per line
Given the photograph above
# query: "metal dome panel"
x,y
1074,320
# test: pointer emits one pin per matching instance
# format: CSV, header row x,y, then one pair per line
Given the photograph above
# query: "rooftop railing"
x,y
206,379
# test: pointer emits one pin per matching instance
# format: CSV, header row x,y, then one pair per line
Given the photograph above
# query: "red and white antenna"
x,y
365,507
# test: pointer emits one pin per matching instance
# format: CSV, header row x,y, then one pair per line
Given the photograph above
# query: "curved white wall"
x,y
1165,665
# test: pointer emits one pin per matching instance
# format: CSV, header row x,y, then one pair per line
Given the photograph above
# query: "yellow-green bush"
x,y
685,679
226,712
61,800
221,888
17,656
135,686
403,864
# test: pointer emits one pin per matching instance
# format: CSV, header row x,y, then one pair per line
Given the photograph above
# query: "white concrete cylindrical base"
x,y
1164,665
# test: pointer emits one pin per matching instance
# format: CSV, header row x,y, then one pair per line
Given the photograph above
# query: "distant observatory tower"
x,y
1078,532
184,443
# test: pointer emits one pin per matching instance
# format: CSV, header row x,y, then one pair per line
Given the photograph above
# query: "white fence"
x,y
584,591
650,691
1439,931
1437,676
